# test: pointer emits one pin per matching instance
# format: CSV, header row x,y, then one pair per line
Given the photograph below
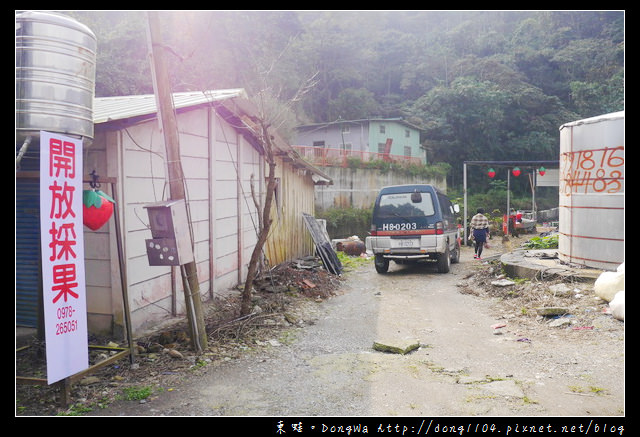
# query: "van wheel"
x,y
444,261
381,263
455,257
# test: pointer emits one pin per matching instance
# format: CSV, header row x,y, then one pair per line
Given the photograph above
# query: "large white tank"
x,y
55,75
591,227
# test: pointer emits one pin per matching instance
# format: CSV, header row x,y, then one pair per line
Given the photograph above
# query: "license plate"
x,y
408,242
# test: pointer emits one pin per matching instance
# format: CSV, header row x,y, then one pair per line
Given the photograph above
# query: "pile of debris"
x,y
276,296
551,302
304,276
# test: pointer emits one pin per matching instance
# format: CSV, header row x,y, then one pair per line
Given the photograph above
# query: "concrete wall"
x,y
358,188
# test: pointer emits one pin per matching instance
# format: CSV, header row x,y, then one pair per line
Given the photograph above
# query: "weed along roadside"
x,y
467,348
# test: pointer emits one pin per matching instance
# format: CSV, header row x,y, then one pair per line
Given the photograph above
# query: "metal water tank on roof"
x,y
55,75
591,226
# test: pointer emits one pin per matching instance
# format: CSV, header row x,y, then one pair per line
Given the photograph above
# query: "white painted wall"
x,y
219,207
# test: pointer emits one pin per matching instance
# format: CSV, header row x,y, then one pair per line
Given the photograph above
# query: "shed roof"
x,y
360,121
230,101
107,109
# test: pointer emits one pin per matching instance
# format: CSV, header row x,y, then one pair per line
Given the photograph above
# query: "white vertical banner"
x,y
62,243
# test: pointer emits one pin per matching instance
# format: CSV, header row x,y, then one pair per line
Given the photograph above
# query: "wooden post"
x,y
164,99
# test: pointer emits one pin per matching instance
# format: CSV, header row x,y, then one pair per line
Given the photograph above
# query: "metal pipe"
x,y
23,150
464,189
123,275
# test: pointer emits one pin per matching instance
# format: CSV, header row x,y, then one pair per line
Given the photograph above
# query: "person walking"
x,y
480,228
513,221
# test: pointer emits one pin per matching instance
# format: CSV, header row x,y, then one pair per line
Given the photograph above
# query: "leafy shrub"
x,y
546,242
345,222
137,393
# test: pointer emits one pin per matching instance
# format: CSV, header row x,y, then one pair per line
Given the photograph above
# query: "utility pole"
x,y
169,125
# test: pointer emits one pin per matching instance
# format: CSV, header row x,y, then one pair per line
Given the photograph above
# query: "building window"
x,y
382,129
346,129
407,133
318,147
407,151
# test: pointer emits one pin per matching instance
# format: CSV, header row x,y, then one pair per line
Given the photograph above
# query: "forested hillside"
x,y
482,84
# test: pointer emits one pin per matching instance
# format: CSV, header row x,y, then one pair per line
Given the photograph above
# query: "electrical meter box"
x,y
170,244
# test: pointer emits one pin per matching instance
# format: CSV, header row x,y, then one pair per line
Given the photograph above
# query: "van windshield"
x,y
400,205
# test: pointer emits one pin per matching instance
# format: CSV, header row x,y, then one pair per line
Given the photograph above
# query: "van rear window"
x,y
400,204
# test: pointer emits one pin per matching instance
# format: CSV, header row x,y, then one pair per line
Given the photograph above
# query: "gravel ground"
x,y
483,352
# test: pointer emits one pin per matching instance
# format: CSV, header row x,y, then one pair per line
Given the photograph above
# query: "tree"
x,y
266,139
463,121
273,114
352,104
547,67
122,65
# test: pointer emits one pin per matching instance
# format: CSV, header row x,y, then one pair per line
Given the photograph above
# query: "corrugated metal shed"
x,y
110,109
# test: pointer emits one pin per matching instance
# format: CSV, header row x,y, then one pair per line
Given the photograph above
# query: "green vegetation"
x,y
547,242
137,393
129,393
199,363
352,262
76,410
590,389
482,85
345,222
438,170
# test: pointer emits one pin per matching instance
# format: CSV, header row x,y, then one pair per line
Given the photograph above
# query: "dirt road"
x,y
465,365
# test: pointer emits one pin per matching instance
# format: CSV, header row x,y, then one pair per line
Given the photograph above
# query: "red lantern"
x,y
516,171
97,208
542,171
491,173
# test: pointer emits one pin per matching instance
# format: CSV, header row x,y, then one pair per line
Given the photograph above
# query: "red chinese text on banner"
x,y
62,242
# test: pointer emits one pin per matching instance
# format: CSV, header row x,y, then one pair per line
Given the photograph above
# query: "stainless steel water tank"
x,y
55,75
